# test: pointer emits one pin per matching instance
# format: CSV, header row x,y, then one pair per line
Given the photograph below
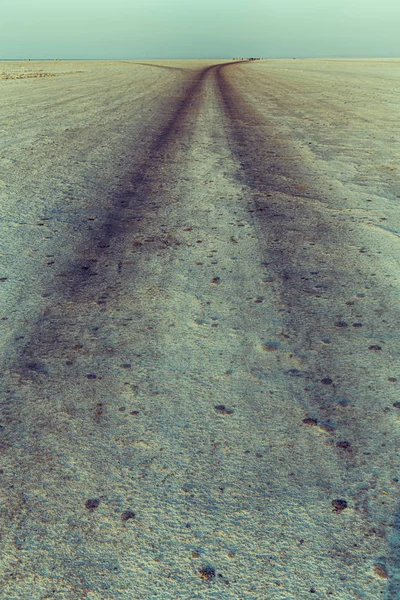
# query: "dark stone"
x,y
221,408
309,421
128,514
339,504
207,573
92,503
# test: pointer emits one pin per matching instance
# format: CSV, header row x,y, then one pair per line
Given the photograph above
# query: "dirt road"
x,y
200,311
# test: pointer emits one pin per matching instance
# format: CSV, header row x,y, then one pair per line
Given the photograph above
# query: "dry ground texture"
x,y
200,312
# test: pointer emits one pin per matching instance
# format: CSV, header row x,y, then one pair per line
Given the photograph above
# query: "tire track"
x,y
343,380
93,274
279,209
283,215
66,389
62,391
119,221
315,286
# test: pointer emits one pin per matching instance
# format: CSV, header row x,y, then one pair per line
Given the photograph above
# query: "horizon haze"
x,y
177,29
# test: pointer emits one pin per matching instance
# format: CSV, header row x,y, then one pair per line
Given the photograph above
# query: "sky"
x,y
151,29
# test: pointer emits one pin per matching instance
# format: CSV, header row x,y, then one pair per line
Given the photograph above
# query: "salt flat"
x,y
200,312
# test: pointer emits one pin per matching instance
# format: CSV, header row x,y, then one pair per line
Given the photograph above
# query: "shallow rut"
x,y
182,421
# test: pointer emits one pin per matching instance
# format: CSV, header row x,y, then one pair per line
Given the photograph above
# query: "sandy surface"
x,y
200,311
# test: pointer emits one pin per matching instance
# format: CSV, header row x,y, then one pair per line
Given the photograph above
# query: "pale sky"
x,y
140,29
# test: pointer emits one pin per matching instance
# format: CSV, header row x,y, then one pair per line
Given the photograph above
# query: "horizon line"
x,y
327,57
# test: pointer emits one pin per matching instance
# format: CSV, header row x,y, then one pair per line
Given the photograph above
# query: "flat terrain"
x,y
200,315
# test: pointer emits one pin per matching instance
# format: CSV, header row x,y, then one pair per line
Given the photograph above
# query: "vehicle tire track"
x,y
154,443
343,380
119,221
63,390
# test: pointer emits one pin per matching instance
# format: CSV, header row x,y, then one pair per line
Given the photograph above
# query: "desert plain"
x,y
200,314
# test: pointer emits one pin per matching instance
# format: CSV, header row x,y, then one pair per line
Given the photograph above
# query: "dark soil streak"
x,y
316,285
129,206
56,378
94,260
284,235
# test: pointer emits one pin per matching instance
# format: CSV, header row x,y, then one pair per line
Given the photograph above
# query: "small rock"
x,y
207,573
92,503
380,571
270,346
344,445
309,421
128,514
339,504
221,408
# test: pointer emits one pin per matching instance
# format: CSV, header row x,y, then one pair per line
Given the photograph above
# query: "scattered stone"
x,y
270,346
294,373
221,408
309,421
128,514
37,367
207,573
381,571
344,446
344,402
92,503
339,504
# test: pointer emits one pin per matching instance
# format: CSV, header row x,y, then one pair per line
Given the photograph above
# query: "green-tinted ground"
x,y
200,314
